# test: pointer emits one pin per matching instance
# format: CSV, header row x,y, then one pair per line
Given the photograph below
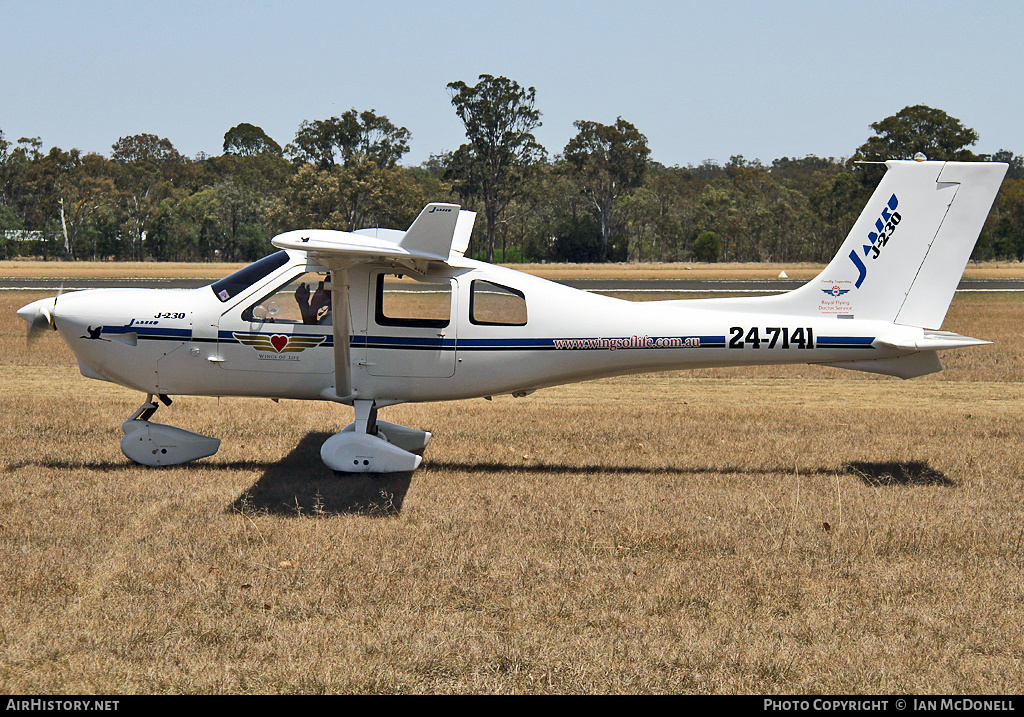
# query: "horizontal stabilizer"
x,y
911,366
935,341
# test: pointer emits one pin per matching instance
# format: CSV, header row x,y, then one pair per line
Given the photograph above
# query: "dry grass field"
x,y
768,531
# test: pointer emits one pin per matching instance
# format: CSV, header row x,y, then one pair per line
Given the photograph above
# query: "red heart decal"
x,y
279,341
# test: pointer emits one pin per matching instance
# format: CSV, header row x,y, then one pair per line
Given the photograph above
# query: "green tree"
x,y
147,167
311,199
348,198
204,210
9,221
241,217
918,129
29,148
5,161
637,214
545,220
806,174
499,117
375,196
351,137
1003,237
706,247
61,191
83,187
609,161
677,192
573,239
144,149
837,202
248,140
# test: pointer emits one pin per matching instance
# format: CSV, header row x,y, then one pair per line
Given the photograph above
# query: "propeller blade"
x,y
39,324
40,316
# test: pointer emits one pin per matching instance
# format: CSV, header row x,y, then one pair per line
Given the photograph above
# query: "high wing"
x,y
439,231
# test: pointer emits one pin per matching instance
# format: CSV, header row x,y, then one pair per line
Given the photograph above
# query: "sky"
x,y
705,80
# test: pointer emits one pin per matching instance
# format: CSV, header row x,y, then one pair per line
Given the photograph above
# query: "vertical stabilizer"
x,y
432,233
904,257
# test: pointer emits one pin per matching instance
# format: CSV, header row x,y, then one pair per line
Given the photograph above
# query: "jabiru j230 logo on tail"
x,y
885,225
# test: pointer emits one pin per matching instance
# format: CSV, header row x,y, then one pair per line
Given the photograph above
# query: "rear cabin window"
x,y
492,304
402,301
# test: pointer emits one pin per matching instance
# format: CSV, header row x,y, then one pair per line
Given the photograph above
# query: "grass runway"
x,y
788,530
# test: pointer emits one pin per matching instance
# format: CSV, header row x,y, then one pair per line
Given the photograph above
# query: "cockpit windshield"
x,y
236,283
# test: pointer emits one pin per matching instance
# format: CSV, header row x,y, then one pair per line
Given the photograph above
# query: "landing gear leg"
x,y
147,409
366,417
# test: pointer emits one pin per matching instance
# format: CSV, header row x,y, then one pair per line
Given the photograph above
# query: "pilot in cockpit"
x,y
315,309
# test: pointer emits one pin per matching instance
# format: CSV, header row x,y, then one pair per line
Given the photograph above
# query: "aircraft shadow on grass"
x,y
301,485
898,473
886,473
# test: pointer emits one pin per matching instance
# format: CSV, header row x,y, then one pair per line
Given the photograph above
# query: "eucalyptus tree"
x,y
918,129
82,188
248,140
353,137
499,117
609,161
147,168
1016,162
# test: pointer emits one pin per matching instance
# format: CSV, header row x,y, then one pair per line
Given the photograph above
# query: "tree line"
x,y
600,198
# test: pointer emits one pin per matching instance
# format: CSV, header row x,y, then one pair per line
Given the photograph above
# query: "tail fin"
x,y
905,255
432,233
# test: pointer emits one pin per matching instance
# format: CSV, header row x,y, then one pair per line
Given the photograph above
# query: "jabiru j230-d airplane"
x,y
380,317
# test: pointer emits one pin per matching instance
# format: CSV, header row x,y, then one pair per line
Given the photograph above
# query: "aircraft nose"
x,y
38,315
29,311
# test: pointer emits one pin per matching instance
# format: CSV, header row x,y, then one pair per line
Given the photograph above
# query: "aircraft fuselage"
x,y
530,334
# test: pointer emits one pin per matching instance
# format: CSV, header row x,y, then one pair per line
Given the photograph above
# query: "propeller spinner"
x,y
40,315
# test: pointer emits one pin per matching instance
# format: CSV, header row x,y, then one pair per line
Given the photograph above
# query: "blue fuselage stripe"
x,y
499,344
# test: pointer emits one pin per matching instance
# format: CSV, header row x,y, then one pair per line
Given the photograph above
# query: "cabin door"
x,y
411,322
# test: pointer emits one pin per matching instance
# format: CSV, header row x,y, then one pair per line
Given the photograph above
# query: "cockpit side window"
x,y
304,299
492,304
234,284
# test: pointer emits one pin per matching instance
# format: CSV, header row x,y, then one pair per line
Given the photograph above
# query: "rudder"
x,y
943,264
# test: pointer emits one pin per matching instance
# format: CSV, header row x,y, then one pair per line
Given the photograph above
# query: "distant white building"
x,y
22,235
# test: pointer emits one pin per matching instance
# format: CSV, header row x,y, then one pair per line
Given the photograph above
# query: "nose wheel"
x,y
157,444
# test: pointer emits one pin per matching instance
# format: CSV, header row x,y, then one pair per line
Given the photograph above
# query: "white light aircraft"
x,y
381,317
